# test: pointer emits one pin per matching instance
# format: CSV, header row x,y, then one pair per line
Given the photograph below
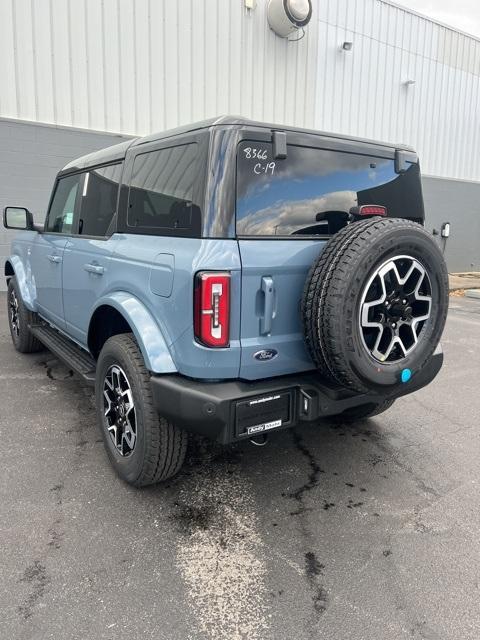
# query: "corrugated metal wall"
x,y
136,66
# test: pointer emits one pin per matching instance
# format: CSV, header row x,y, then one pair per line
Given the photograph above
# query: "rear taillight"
x,y
212,308
371,210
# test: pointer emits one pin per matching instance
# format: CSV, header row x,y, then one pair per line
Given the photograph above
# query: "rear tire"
x,y
142,447
362,412
19,320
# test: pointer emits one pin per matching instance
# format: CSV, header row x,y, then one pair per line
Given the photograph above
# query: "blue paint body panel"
x,y
149,280
145,329
130,269
162,274
67,295
285,263
83,288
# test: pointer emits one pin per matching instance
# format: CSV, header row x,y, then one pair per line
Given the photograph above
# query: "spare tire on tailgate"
x,y
375,303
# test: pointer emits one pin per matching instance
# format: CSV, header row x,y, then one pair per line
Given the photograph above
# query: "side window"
x,y
161,191
98,203
61,213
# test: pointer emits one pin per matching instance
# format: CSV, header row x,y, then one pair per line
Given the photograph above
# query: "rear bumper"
x,y
234,410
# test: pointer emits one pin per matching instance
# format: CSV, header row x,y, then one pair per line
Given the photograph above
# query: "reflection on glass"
x,y
60,216
311,192
162,187
16,218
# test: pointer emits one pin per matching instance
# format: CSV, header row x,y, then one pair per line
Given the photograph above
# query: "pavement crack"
x,y
313,568
313,571
313,476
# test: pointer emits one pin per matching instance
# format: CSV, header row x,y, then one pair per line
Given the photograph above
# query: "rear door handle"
x,y
55,259
94,268
269,300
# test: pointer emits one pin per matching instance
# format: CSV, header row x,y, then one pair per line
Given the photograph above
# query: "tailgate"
x,y
271,326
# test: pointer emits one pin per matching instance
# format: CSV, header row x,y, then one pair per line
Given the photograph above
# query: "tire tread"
x,y
324,294
27,342
165,443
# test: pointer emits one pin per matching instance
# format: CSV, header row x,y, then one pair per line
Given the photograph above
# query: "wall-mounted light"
x,y
409,82
287,16
347,46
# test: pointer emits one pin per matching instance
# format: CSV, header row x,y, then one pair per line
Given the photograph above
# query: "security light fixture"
x,y
347,46
287,16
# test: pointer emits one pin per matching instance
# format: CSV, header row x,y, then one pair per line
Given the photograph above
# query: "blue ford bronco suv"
x,y
231,278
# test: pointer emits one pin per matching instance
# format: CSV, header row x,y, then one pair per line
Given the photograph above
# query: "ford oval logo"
x,y
265,354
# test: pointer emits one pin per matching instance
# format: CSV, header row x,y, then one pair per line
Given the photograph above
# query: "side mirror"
x,y
17,218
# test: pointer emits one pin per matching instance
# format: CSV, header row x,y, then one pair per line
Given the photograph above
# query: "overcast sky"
x,y
462,14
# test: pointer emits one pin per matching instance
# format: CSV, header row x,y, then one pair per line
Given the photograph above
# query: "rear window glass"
x,y
161,190
316,191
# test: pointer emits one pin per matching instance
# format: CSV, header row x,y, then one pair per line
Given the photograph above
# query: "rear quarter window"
x,y
314,191
161,191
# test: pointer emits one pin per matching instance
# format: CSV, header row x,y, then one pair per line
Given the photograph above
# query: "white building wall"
x,y
137,66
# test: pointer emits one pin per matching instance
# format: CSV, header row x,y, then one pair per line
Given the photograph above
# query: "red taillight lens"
x,y
212,308
372,210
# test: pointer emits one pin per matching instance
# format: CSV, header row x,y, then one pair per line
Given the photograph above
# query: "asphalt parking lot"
x,y
335,532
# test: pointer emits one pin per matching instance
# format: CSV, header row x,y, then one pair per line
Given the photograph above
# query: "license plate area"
x,y
263,413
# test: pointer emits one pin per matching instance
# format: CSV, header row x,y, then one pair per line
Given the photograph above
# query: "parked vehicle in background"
x,y
231,278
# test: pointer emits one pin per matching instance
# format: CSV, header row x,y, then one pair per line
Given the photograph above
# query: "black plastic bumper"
x,y
235,410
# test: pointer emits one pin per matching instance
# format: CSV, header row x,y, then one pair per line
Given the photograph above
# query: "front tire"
x,y
19,321
142,447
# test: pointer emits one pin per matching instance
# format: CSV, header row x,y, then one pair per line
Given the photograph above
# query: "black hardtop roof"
x,y
117,152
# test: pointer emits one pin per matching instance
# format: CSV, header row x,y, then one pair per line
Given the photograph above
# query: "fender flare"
x,y
27,291
145,329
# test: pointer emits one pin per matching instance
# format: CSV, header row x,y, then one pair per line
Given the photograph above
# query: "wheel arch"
x,y
121,312
14,268
8,269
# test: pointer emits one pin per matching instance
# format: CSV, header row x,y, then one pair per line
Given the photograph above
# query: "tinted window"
x,y
161,190
99,200
316,191
62,209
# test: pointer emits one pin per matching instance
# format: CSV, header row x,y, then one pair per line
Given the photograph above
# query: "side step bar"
x,y
67,351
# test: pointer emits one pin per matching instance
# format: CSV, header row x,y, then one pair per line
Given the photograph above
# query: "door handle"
x,y
55,259
269,300
94,268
